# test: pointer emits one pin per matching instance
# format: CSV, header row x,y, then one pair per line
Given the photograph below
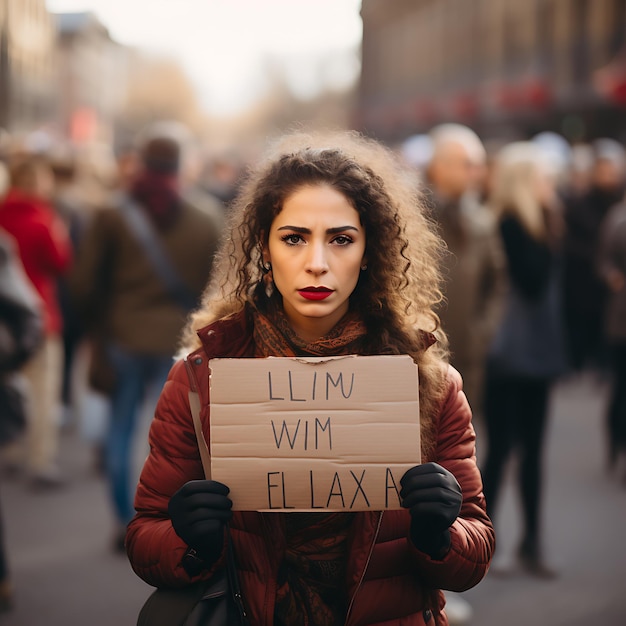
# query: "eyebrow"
x,y
329,231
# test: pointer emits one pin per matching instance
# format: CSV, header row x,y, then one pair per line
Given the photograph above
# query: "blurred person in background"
x,y
141,267
68,204
527,352
100,173
557,158
585,292
579,172
612,269
473,269
128,165
416,152
21,333
221,177
45,251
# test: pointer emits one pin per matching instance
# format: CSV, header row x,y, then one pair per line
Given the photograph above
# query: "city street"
x,y
65,572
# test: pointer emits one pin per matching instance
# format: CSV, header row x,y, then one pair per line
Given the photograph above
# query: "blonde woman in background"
x,y
527,353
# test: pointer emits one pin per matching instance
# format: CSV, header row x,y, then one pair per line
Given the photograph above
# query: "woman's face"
x,y
316,247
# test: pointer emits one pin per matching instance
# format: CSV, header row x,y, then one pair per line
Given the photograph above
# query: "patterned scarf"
x,y
274,336
311,579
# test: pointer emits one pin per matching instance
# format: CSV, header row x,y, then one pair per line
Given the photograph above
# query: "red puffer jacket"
x,y
388,581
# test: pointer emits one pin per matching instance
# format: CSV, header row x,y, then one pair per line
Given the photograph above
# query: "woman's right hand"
x,y
199,510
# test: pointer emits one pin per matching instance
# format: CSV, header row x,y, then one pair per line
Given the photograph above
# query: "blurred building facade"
x,y
61,75
27,64
505,68
93,78
65,80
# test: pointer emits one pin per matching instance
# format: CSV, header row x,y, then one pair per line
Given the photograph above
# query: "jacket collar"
x,y
225,338
228,337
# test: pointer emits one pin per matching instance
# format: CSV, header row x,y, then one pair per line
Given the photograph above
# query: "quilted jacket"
x,y
388,580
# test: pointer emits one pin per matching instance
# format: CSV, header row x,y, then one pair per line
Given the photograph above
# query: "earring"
x,y
363,267
267,279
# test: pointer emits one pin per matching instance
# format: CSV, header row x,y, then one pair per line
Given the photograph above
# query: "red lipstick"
x,y
315,293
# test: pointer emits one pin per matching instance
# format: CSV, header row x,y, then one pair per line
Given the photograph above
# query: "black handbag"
x,y
217,602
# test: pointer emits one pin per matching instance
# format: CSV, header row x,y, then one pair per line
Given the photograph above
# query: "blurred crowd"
x,y
116,247
536,231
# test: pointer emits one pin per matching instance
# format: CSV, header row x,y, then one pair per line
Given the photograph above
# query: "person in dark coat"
x,y
132,310
585,293
329,253
612,269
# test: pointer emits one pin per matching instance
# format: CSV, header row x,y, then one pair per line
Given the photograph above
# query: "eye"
x,y
343,240
292,239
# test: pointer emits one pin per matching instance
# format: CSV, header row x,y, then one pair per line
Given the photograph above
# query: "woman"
x,y
527,352
337,221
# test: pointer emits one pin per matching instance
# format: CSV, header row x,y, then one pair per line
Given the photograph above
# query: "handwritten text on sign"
x,y
314,434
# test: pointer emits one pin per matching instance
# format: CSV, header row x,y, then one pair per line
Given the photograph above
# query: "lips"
x,y
315,293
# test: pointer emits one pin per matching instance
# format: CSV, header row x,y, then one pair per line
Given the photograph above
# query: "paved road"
x,y
584,521
66,574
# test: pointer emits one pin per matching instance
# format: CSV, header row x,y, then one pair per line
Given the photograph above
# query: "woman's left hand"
x,y
433,497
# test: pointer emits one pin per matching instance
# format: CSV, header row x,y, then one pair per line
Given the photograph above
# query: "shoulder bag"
x,y
140,225
217,602
529,341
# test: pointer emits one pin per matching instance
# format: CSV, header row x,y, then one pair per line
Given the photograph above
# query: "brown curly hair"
x,y
398,293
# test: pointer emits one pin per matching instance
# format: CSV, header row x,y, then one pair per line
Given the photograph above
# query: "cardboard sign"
x,y
314,434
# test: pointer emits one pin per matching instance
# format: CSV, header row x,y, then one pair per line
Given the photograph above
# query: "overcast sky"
x,y
224,44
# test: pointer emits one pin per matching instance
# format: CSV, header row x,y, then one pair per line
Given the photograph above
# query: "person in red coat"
x,y
45,251
329,253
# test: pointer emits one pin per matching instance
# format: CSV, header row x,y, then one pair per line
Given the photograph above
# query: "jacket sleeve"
x,y
154,549
472,535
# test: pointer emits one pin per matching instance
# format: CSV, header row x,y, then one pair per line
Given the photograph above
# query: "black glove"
x,y
433,497
199,510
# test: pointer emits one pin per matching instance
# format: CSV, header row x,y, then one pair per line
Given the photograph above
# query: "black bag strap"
x,y
205,456
140,225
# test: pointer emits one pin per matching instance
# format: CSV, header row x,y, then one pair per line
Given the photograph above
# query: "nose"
x,y
317,261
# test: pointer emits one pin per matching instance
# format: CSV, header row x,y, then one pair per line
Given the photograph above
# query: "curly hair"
x,y
401,288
